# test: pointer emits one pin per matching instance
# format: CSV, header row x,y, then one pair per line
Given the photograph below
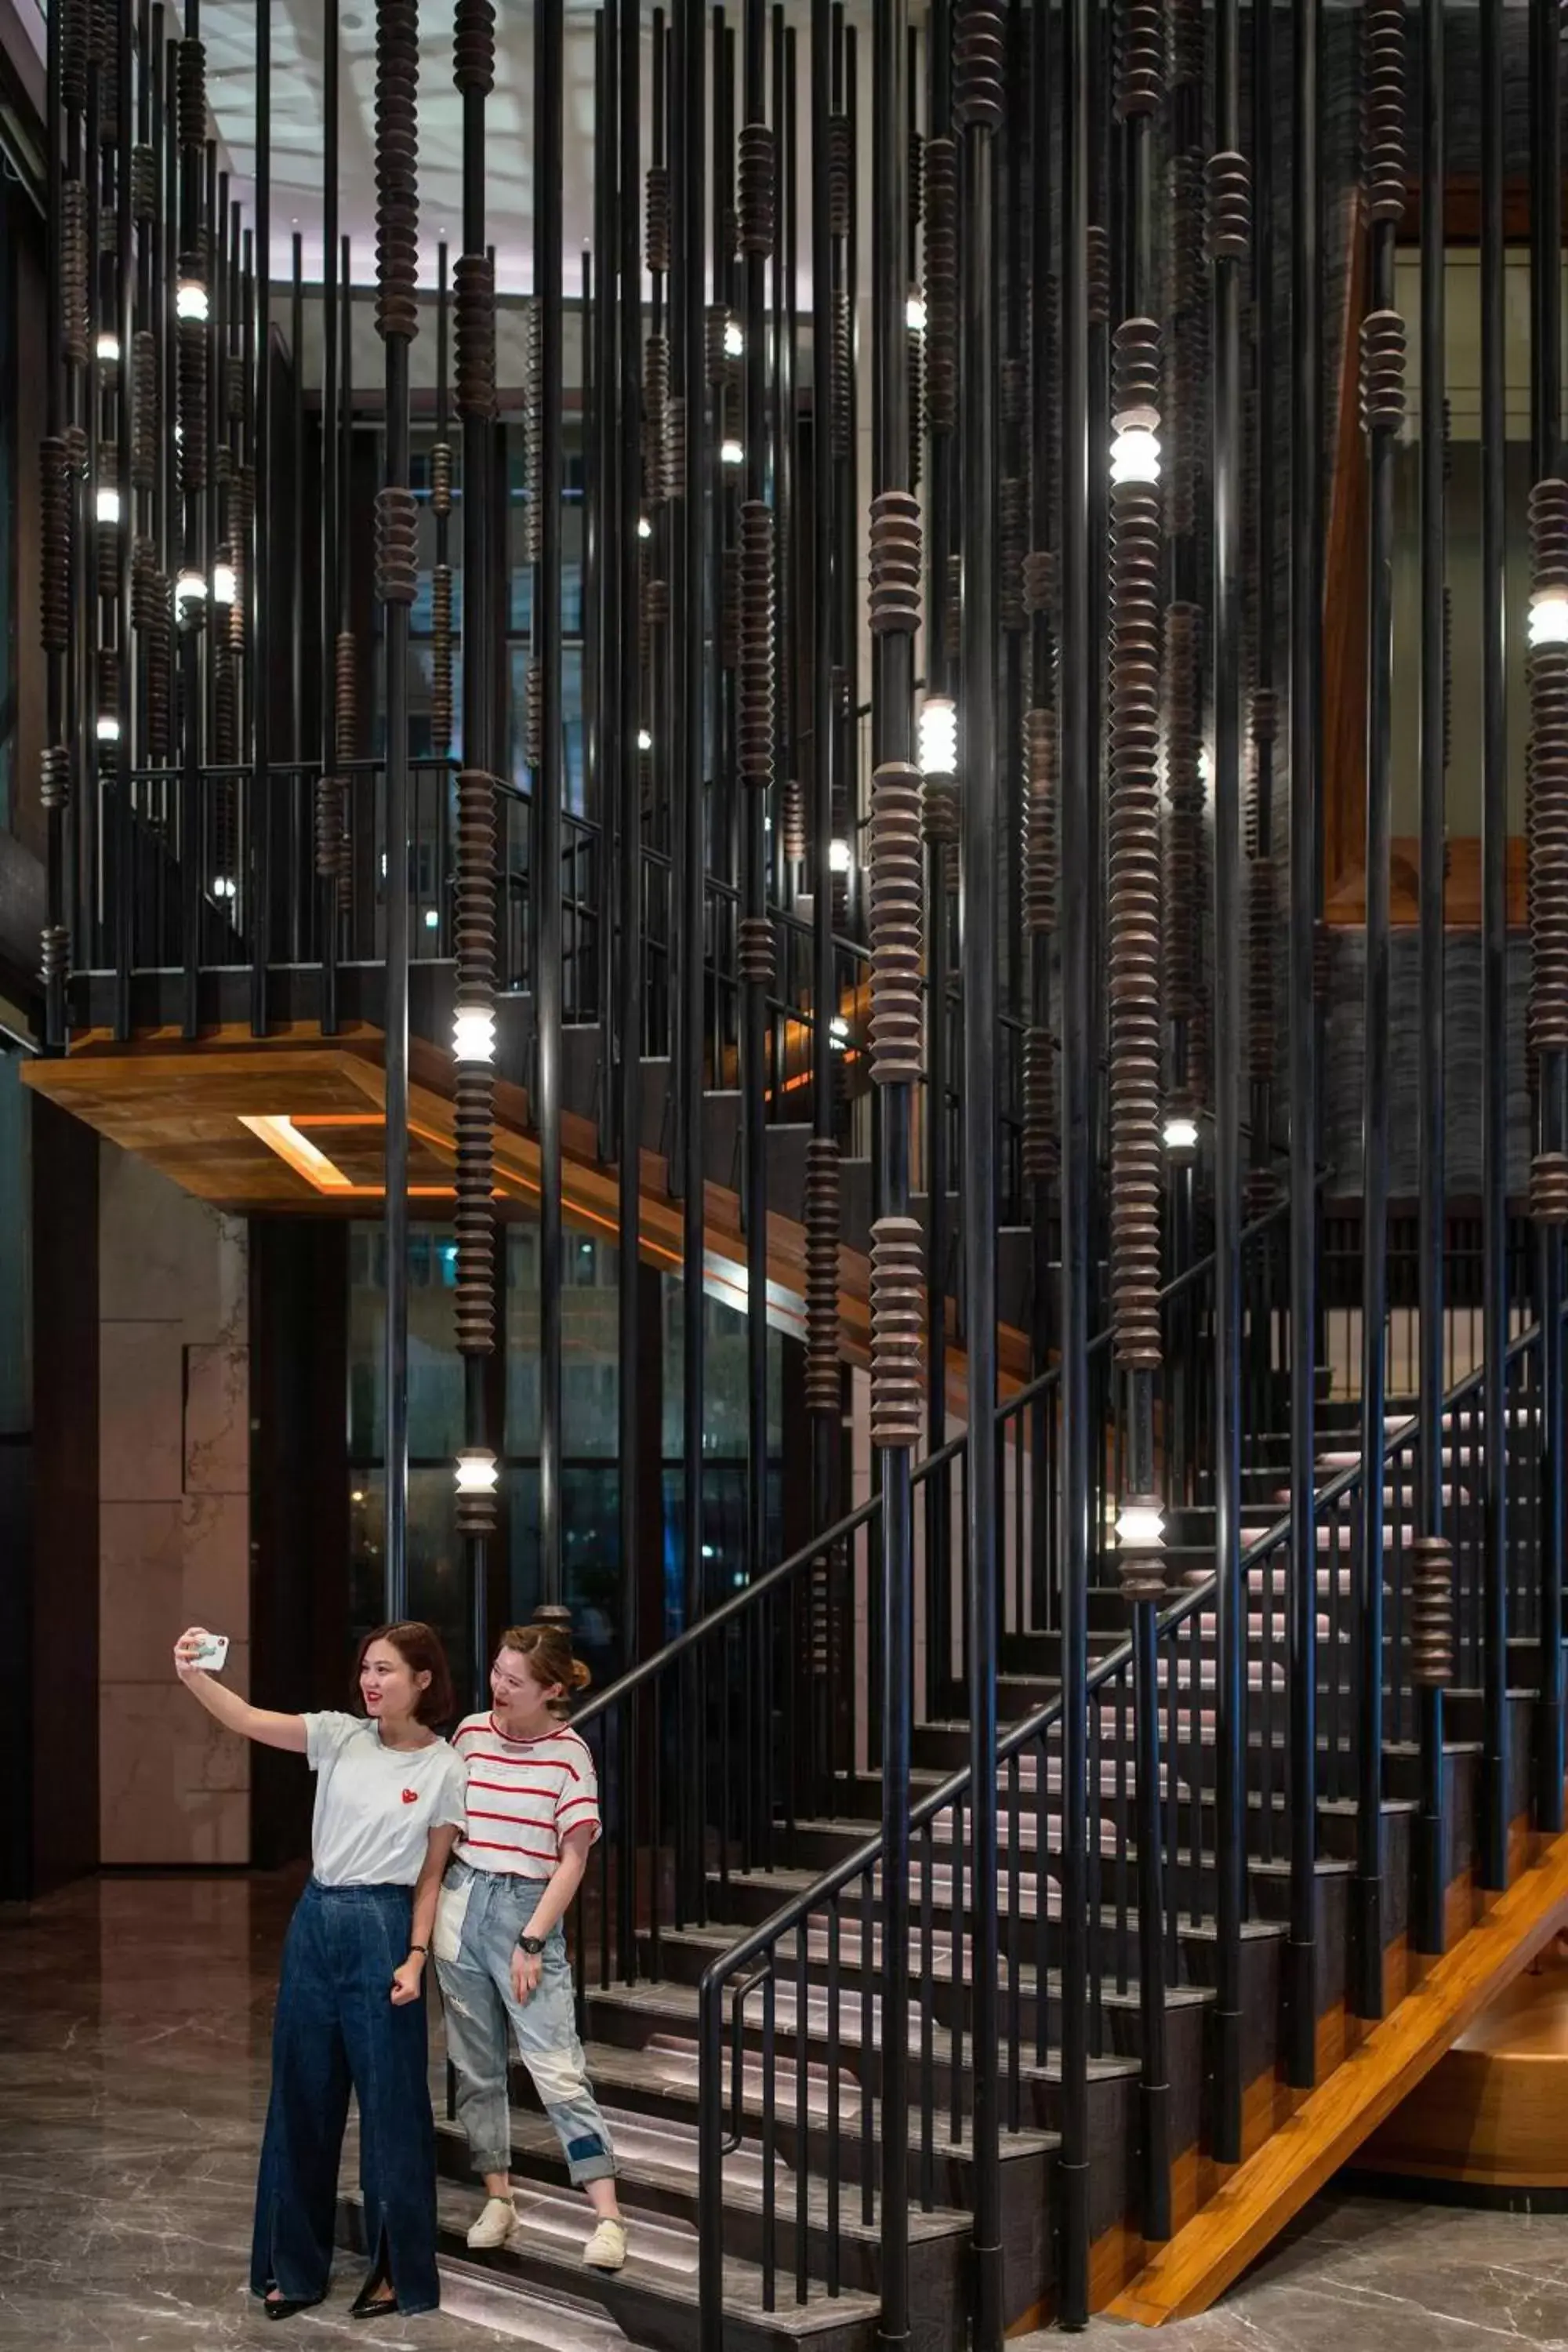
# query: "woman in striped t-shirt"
x,y
501,1952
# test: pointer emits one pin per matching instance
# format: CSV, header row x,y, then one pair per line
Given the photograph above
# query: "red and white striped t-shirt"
x,y
524,1797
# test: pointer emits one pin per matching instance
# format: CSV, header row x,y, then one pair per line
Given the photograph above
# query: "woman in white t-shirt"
x,y
351,1999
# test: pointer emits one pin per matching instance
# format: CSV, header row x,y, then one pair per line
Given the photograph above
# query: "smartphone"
x,y
211,1654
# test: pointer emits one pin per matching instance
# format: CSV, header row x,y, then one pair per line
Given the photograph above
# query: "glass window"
x,y
435,1368
438,1574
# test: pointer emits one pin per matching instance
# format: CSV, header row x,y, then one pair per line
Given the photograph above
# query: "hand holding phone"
x,y
199,1652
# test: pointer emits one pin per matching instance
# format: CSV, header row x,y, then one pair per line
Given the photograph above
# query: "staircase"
x,y
731,1950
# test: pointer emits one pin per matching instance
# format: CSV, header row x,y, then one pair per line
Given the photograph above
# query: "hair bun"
x,y
579,1678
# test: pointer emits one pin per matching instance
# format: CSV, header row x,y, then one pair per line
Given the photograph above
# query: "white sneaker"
x,y
606,2249
495,2224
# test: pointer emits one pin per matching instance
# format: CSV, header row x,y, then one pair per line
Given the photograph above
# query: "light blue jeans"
x,y
478,1920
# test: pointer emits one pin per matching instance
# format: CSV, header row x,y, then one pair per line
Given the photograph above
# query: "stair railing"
x,y
762,1713
716,1753
807,1972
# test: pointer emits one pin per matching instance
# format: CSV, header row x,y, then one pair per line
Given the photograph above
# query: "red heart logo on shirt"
x,y
411,1796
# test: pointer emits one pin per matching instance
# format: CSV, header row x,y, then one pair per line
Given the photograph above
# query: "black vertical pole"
x,y
1133,831
548,70
124,316
1434,1562
56,559
1383,402
1545,434
474,75
1266,378
1493,1859
328,886
1306,757
824,1427
755,520
396,321
939,680
607,659
978,89
295,863
261,633
629,783
689,769
1228,185
892,704
1079,1155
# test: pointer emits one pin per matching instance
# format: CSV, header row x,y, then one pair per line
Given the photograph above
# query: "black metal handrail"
x,y
774,1579
752,1963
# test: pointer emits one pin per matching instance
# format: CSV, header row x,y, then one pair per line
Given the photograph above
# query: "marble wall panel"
x,y
174,1521
214,1543
216,1436
141,1414
175,1785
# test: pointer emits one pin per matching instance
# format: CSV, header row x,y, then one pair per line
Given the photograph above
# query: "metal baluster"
x,y
835,2155
803,2123
770,2112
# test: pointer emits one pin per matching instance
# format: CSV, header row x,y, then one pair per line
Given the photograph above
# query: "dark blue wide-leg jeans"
x,y
335,2026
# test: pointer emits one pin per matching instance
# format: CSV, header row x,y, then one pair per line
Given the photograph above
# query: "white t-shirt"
x,y
376,1806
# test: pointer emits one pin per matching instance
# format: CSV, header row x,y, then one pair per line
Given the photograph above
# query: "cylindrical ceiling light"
x,y
474,1034
939,736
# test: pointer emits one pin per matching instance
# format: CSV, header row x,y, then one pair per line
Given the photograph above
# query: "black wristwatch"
x,y
532,1944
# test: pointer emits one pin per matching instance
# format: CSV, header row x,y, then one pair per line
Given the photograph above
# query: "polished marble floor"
x,y
134,2017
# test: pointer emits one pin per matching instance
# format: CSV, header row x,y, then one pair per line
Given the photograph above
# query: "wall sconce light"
x,y
1180,1135
108,351
223,583
839,857
732,454
106,504
191,300
734,338
107,727
915,315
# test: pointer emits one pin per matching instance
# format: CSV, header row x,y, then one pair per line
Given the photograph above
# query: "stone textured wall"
x,y
174,1514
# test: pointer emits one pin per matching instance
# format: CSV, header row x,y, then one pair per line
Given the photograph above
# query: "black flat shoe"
x,y
372,2302
284,2306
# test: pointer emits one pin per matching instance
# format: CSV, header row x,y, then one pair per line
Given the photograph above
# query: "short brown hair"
x,y
548,1649
420,1648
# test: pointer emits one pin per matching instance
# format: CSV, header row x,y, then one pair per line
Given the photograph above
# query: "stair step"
x,y
703,1944
654,2298
670,2010
656,2169
660,2081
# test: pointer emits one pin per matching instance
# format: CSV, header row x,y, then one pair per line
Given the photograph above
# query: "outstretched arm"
x,y
235,1713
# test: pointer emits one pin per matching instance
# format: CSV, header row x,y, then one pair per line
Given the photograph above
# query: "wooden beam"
x,y
206,1113
1331,2123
